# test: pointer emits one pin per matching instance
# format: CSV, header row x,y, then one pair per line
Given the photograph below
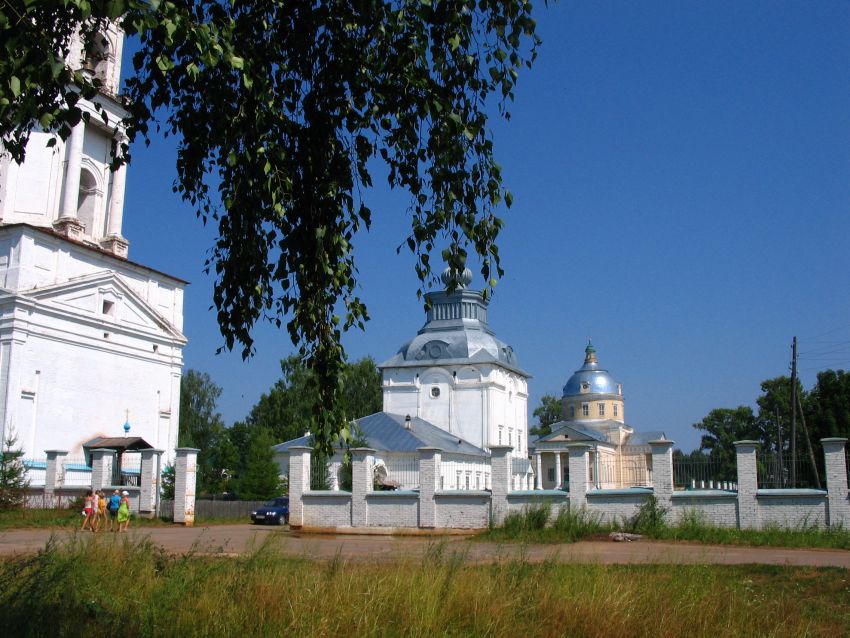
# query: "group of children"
x,y
114,511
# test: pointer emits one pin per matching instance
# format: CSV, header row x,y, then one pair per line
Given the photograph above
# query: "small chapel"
x,y
91,342
592,410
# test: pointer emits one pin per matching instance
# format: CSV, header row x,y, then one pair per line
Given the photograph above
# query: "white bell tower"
x,y
70,186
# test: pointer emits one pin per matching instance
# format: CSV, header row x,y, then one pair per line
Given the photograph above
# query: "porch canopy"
x,y
120,444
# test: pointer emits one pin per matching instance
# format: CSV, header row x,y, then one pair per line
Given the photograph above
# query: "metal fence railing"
x,y
690,473
458,472
396,472
783,471
36,471
75,473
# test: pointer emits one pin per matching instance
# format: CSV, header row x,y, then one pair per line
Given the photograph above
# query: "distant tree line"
x,y
823,411
239,459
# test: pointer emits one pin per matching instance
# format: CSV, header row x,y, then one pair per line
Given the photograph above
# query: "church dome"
x,y
590,378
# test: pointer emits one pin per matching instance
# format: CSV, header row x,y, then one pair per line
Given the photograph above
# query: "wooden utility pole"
x,y
794,413
781,474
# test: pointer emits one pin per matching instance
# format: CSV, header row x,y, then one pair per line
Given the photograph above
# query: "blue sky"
x,y
680,179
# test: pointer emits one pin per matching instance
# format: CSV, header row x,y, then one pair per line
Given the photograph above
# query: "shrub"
x,y
649,519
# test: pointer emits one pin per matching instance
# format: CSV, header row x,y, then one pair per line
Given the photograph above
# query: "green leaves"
x,y
324,89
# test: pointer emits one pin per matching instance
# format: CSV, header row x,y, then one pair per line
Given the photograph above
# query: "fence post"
x,y
149,483
579,465
185,474
53,473
299,482
430,459
662,472
102,462
835,462
748,512
501,470
361,485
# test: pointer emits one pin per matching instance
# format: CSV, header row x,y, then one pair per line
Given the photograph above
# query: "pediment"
x,y
105,297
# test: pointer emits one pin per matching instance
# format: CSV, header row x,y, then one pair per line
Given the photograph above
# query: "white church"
x,y
87,336
455,386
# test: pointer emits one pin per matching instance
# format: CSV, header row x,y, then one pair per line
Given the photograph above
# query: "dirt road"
x,y
237,539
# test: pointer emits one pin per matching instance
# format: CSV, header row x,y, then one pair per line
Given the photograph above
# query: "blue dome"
x,y
590,378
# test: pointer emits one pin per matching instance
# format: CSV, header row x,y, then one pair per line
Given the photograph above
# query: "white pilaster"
x,y
559,475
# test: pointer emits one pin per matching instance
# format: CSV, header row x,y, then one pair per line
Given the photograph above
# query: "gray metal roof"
x,y
387,433
455,333
643,438
576,431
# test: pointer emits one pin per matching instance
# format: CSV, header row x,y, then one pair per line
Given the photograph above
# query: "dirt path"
x,y
236,539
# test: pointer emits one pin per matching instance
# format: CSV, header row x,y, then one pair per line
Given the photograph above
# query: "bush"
x,y
649,519
573,525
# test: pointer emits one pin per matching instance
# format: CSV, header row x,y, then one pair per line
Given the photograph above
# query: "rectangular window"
x,y
500,435
615,409
551,474
601,409
519,440
585,409
572,411
510,436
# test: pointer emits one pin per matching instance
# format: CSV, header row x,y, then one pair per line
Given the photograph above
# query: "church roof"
x,y
387,432
455,333
591,377
574,431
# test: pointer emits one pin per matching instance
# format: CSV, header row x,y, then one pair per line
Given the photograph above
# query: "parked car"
x,y
274,512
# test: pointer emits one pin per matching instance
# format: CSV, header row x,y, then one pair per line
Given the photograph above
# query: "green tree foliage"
x,y
288,409
260,478
168,482
548,412
281,110
827,406
13,474
201,427
721,428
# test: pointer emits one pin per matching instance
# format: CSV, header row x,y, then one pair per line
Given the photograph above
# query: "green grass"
x,y
72,519
132,588
692,527
535,525
532,525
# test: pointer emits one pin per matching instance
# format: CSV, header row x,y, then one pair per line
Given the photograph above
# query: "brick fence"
x,y
432,508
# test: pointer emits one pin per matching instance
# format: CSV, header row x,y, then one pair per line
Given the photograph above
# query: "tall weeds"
x,y
108,587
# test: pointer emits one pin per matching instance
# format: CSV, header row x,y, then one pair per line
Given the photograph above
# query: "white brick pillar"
x,y
185,474
579,466
501,467
149,483
299,482
53,474
834,452
102,462
361,485
430,459
748,515
662,472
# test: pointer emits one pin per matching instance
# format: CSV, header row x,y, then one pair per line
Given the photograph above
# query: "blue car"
x,y
275,512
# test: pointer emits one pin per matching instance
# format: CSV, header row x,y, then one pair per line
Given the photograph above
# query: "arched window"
x,y
96,57
87,200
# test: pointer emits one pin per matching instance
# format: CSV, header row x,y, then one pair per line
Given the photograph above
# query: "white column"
x,y
71,191
539,478
116,201
559,480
